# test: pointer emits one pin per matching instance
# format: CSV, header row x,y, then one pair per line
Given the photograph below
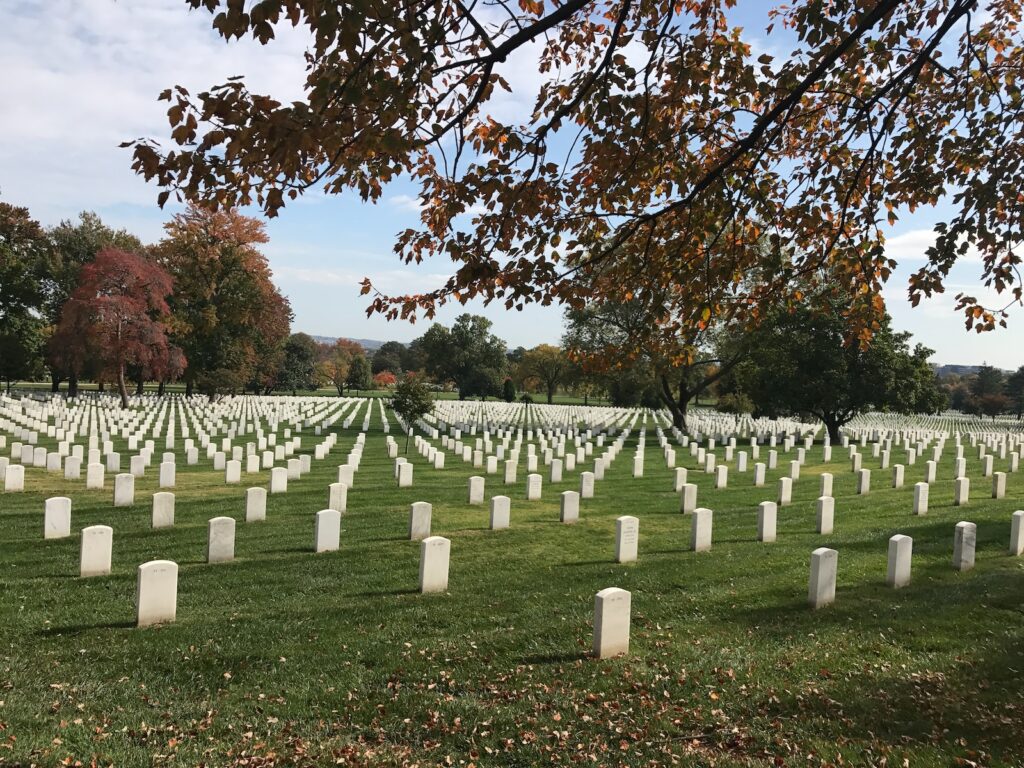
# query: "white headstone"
x,y
688,498
961,491
759,473
14,479
627,538
419,520
337,497
964,541
476,490
586,485
278,480
998,485
124,490
97,547
785,491
57,517
863,481
500,512
255,504
94,475
767,514
611,622
570,507
435,553
327,531
920,498
220,540
825,484
822,586
826,514
700,530
533,487
156,592
163,510
900,552
405,475
1017,533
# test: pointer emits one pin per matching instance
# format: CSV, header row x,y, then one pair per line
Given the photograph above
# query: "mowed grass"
x,y
284,657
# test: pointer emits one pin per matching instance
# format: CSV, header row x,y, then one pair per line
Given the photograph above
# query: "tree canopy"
x,y
227,312
468,354
801,365
662,149
117,315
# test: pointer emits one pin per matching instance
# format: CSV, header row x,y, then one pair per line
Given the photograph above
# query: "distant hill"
x,y
959,370
368,344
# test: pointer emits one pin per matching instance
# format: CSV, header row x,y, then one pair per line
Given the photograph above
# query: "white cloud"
x,y
406,203
81,76
912,245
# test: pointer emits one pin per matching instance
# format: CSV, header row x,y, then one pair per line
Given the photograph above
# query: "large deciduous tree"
x,y
468,355
545,365
359,374
609,338
229,317
802,366
23,251
73,244
117,315
1015,391
298,369
336,361
661,145
388,358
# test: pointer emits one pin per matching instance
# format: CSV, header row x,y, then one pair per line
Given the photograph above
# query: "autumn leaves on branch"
x,y
661,153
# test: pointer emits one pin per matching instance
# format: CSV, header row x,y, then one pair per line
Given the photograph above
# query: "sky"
x,y
82,76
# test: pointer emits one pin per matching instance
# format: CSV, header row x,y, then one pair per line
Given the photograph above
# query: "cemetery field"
x,y
286,657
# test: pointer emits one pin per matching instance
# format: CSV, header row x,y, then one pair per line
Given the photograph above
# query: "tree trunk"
x,y
676,405
55,382
161,388
140,386
101,386
122,388
551,395
189,388
73,385
832,424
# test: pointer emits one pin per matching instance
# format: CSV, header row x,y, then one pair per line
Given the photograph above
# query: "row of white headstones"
x,y
435,550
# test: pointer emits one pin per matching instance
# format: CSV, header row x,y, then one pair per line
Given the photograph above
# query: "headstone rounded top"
x,y
153,565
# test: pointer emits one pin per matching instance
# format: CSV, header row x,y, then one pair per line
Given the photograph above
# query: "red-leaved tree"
x,y
117,317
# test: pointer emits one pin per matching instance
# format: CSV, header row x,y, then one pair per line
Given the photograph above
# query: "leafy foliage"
x,y
802,365
229,317
662,151
412,400
545,366
359,373
117,316
469,355
336,361
298,367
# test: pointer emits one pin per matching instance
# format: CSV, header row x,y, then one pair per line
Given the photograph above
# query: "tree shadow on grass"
x,y
388,593
554,658
582,563
287,551
78,629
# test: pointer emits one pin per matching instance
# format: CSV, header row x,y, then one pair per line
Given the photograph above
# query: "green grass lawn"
x,y
283,657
